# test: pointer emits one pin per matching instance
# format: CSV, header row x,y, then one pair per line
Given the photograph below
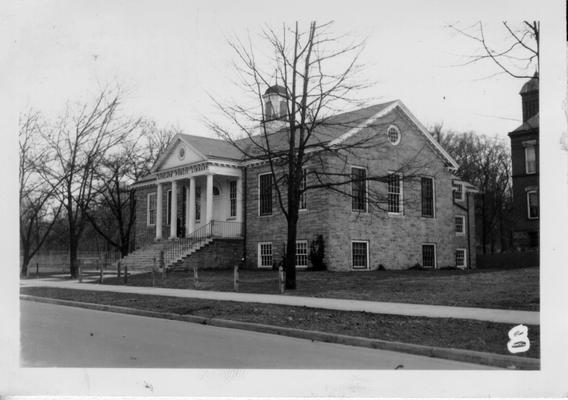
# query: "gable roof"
x,y
330,130
211,147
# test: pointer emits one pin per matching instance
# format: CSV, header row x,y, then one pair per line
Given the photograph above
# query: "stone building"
x,y
525,170
405,208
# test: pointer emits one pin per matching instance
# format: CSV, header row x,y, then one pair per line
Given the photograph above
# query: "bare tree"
x,y
38,213
299,141
486,163
515,56
79,142
112,213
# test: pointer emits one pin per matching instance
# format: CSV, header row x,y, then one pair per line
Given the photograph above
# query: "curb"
x,y
470,356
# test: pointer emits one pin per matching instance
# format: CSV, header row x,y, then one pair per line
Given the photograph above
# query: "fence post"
x,y
37,270
236,278
126,273
80,272
154,273
118,269
162,264
195,277
281,279
101,273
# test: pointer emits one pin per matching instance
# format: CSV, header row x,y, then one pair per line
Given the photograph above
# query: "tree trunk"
x,y
73,262
25,262
290,266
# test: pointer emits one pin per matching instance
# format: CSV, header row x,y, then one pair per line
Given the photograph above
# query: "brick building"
x,y
525,170
204,190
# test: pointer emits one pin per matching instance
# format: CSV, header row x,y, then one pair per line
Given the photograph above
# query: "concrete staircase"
x,y
175,251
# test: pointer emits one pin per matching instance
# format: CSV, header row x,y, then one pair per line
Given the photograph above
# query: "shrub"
x,y
416,267
317,254
381,267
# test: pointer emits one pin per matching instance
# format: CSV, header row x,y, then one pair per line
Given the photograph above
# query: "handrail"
x,y
181,247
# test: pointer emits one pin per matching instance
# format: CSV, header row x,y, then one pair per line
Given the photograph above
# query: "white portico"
x,y
196,190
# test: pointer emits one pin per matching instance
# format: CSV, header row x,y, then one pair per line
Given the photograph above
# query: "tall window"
x,y
283,109
265,254
427,197
302,253
233,198
268,110
359,255
532,204
151,209
358,189
198,203
265,194
394,193
530,159
303,204
458,191
460,258
429,256
460,224
169,208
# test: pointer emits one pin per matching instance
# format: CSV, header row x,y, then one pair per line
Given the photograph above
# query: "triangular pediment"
x,y
177,154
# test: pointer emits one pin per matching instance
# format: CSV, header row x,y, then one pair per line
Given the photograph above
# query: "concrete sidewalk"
x,y
417,310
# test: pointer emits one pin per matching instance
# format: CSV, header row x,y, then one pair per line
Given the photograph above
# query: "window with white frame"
x,y
169,208
532,204
198,203
151,207
303,204
233,198
530,160
461,261
359,254
358,189
427,186
265,194
302,253
265,255
460,224
394,193
429,255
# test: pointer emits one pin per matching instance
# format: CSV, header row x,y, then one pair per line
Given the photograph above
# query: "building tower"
x,y
525,170
275,108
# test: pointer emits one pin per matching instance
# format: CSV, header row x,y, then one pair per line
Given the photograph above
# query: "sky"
x,y
170,57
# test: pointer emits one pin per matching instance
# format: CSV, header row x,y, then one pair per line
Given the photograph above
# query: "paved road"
x,y
61,336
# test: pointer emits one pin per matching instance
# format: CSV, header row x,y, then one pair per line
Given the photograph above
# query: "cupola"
x,y
529,95
275,108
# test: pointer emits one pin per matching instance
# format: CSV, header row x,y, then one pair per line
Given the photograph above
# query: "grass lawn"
x,y
516,289
440,332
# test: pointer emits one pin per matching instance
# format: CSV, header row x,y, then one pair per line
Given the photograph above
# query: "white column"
x,y
173,211
209,199
191,213
159,195
186,192
240,200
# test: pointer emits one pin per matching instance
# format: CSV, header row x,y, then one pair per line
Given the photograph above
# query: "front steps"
x,y
182,255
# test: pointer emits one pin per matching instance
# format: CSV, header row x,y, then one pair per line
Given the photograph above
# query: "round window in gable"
x,y
393,135
181,153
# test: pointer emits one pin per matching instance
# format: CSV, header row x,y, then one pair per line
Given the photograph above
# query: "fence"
x,y
57,262
237,280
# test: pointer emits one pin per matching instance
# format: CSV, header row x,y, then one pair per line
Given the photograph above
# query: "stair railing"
x,y
181,247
